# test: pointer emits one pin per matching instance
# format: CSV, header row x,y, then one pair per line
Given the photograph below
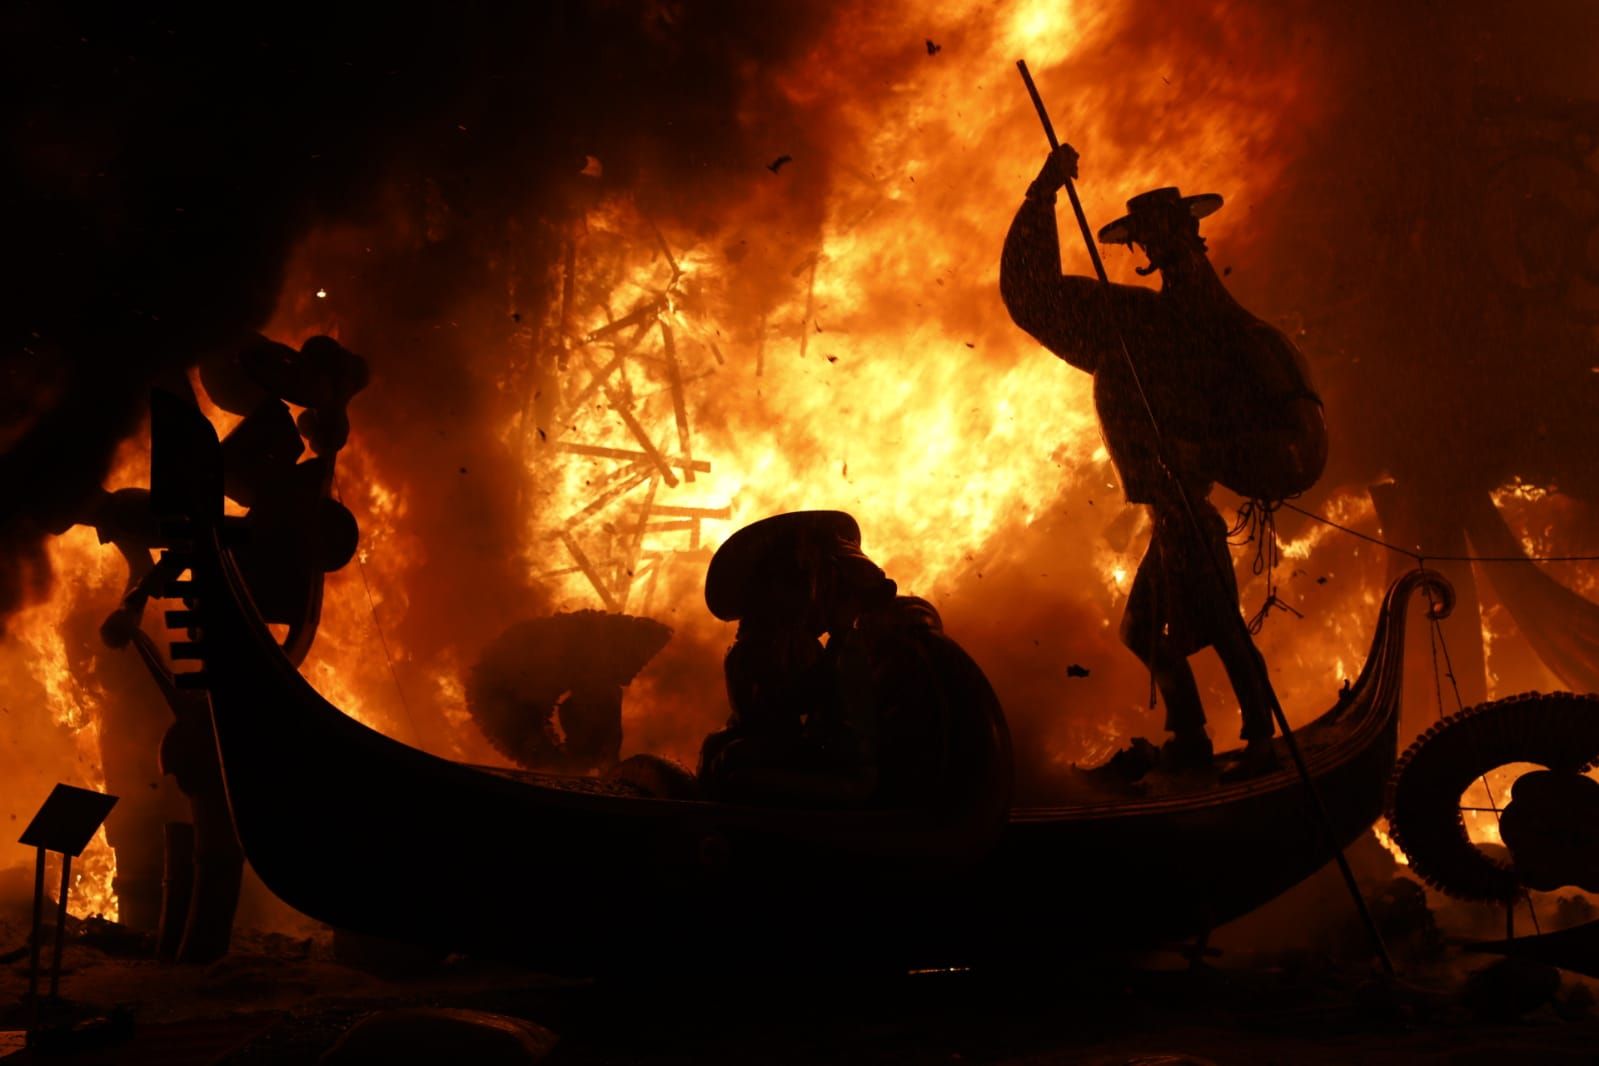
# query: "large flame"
x,y
54,699
674,401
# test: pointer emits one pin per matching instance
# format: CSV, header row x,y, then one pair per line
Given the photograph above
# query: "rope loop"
x,y
1257,524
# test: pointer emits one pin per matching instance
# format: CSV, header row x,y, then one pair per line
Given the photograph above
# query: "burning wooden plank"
x,y
674,375
642,315
625,579
693,555
598,377
720,514
627,455
638,478
810,300
589,571
666,250
760,347
624,410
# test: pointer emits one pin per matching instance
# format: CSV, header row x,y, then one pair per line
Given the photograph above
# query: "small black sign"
x,y
68,819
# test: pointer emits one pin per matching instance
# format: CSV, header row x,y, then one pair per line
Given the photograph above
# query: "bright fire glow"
x,y
879,374
55,700
1380,830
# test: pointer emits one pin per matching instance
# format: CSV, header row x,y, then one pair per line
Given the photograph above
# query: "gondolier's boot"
x,y
1187,750
1258,757
1245,668
1189,747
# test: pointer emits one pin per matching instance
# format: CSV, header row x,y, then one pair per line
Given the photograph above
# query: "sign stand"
x,y
65,824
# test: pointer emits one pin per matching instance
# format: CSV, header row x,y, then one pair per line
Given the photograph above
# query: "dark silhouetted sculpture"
x,y
870,718
571,666
1230,398
1551,827
294,533
1549,823
327,808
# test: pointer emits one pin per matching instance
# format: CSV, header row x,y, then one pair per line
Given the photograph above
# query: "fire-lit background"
x,y
630,275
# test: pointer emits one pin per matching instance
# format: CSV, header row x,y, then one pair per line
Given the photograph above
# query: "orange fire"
x,y
884,378
879,375
54,701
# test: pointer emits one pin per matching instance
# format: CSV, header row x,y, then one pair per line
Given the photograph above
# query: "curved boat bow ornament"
x,y
365,833
1558,731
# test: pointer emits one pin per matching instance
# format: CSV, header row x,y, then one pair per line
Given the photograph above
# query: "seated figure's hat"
x,y
769,560
1125,229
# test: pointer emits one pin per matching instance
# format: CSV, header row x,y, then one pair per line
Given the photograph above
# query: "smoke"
x,y
1411,240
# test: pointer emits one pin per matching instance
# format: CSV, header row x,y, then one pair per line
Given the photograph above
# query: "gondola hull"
x,y
367,834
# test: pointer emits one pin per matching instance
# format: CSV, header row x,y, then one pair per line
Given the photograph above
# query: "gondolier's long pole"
x,y
36,942
1071,187
61,927
1291,742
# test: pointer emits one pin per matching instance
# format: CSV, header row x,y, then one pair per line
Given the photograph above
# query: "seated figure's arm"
x,y
766,756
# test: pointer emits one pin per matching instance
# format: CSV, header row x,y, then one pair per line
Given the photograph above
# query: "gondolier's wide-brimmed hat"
x,y
766,558
1125,229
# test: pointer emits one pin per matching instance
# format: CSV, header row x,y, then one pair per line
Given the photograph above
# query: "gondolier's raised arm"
x,y
1069,315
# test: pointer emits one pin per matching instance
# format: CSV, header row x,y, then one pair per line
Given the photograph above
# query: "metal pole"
x,y
61,927
1071,189
38,932
1270,693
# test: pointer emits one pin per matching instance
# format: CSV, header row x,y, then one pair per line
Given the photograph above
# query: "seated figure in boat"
x,y
873,718
1190,389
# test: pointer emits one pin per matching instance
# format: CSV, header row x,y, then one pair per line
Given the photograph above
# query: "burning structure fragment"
x,y
612,401
292,534
571,667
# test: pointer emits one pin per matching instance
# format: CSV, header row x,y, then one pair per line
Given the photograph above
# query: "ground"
x,y
282,1000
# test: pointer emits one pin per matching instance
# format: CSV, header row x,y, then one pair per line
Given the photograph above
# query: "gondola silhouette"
x,y
365,833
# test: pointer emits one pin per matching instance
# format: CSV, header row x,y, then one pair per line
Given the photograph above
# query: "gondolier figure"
x,y
1191,389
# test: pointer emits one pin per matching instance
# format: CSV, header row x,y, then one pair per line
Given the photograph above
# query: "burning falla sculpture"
x,y
572,666
329,813
293,533
1550,825
867,720
1190,389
